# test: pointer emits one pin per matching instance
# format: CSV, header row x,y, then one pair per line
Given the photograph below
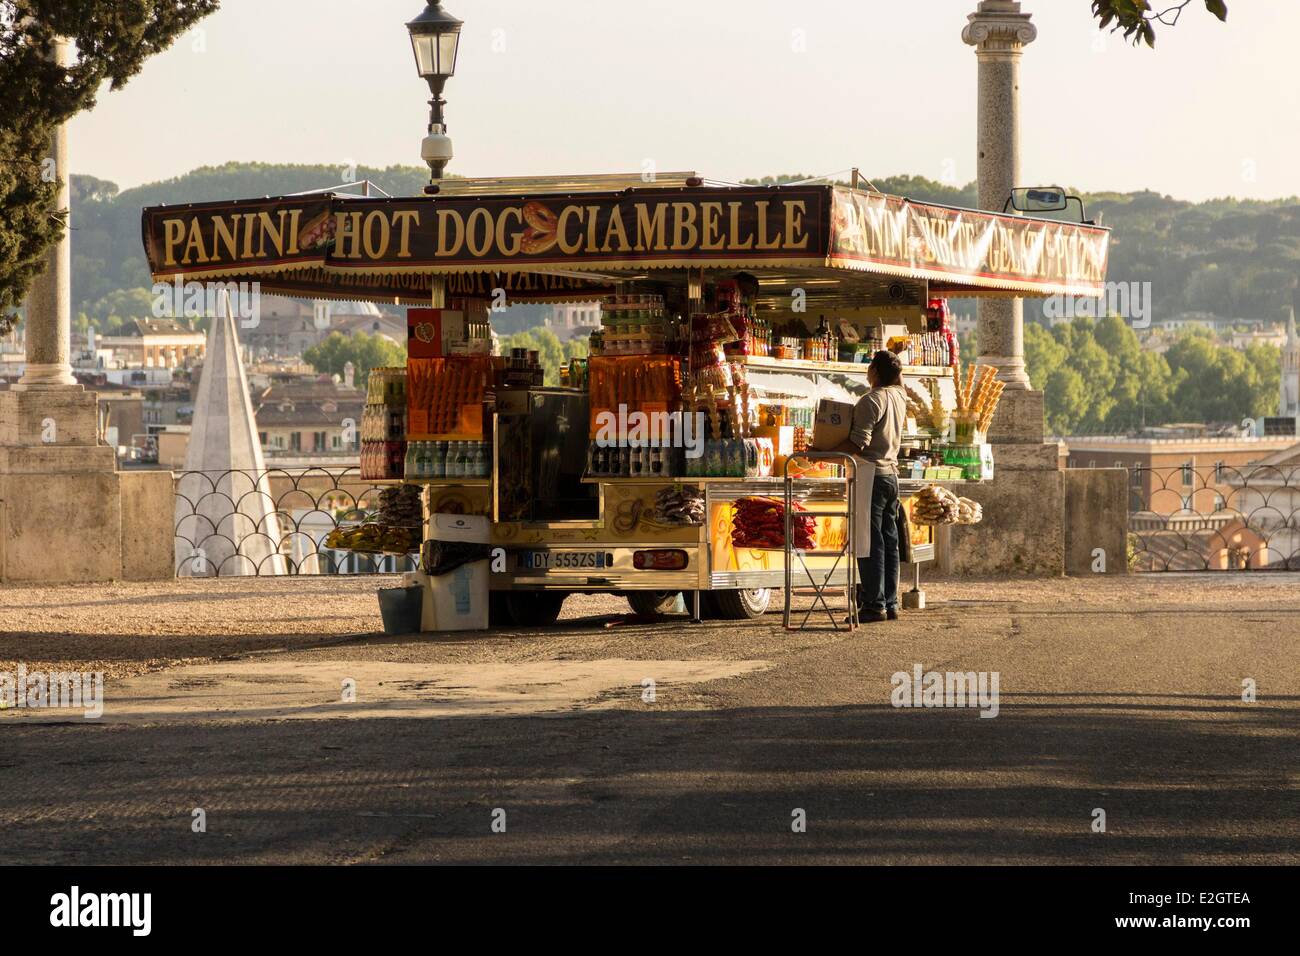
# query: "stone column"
x,y
48,325
66,515
1000,32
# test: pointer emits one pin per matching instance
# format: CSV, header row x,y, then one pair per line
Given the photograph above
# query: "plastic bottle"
x,y
422,462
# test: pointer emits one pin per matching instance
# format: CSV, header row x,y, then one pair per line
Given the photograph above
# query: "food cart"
x,y
731,315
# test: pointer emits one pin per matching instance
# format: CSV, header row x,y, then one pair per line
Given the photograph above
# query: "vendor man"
x,y
875,436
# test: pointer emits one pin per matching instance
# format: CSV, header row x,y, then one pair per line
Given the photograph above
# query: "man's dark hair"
x,y
889,370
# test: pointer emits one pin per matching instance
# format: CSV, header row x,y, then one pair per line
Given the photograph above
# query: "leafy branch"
x,y
112,40
1136,19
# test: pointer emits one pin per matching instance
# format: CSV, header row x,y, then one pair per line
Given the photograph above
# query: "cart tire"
x,y
499,610
535,608
741,605
654,603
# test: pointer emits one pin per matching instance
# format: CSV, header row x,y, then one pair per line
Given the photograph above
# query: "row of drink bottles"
x,y
628,462
448,459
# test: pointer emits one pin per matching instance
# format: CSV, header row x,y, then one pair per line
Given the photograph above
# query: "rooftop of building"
x,y
308,414
304,388
1174,443
140,328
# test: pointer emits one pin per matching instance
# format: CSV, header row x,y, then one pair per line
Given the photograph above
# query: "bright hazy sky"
x,y
717,86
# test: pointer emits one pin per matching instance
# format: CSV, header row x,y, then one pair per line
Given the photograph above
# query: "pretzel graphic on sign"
x,y
543,229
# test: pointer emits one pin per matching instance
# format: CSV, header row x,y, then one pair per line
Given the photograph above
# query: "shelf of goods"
x,y
858,368
485,434
384,425
396,527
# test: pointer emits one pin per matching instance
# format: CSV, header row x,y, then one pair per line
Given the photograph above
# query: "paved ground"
x,y
1119,695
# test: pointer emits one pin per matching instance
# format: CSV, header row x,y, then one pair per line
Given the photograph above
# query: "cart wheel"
x,y
741,605
534,609
654,603
499,610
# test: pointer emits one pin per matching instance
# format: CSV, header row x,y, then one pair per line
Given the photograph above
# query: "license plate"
x,y
562,560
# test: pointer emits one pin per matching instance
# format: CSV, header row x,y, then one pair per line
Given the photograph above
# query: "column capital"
x,y
998,28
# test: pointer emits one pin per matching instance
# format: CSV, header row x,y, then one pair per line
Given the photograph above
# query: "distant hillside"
x,y
1230,257
1234,258
107,253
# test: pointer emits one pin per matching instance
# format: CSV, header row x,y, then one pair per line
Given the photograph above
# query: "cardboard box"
x,y
457,601
832,425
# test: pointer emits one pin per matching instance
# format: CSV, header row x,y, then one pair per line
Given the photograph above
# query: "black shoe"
x,y
870,617
892,614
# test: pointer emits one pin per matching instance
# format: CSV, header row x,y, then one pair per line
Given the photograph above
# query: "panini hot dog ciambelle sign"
x,y
540,245
667,224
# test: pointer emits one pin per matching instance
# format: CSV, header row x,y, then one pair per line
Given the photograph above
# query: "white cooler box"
x,y
457,601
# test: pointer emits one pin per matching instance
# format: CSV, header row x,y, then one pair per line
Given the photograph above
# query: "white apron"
x,y
866,480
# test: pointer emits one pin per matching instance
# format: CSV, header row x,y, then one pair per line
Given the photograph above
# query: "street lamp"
x,y
435,37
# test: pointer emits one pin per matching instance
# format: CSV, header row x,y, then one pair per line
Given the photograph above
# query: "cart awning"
x,y
560,247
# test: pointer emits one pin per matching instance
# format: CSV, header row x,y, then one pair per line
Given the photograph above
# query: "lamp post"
x,y
435,38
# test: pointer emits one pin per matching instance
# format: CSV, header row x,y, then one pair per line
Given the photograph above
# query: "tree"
x,y
1097,378
364,351
112,39
550,352
1137,19
1066,398
110,313
1043,354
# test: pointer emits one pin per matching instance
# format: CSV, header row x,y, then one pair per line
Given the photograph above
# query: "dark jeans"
x,y
879,588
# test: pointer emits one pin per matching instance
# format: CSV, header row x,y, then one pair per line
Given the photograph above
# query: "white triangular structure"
x,y
1289,402
226,518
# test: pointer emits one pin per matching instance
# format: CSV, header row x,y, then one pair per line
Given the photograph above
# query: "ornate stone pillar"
x,y
48,324
1000,32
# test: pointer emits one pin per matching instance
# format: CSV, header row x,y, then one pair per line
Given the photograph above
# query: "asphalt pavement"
x,y
1120,733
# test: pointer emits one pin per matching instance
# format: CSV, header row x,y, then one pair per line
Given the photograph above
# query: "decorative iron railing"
x,y
274,522
1220,518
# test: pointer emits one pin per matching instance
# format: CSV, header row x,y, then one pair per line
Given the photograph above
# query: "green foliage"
x,y
552,353
1227,257
916,188
112,39
1097,378
114,311
106,250
364,351
1136,19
